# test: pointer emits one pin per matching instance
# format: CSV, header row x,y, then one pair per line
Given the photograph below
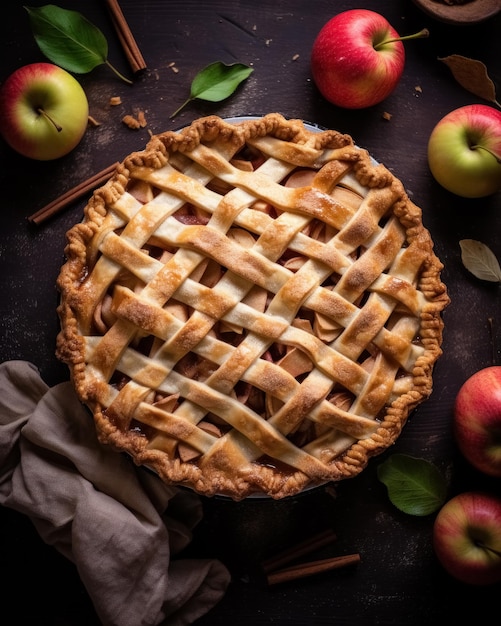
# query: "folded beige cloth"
x,y
119,524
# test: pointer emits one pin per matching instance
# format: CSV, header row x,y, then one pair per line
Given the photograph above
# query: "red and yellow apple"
x,y
358,58
467,538
477,420
43,111
464,151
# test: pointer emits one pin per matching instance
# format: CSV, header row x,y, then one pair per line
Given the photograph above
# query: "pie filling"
x,y
251,308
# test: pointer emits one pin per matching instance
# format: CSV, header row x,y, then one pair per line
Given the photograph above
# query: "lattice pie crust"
x,y
251,308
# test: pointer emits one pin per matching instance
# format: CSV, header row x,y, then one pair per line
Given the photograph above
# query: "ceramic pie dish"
x,y
251,307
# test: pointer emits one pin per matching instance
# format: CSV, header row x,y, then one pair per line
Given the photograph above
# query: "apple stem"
x,y
121,76
482,545
422,34
40,111
477,147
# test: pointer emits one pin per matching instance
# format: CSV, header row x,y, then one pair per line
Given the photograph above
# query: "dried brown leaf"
x,y
480,260
472,75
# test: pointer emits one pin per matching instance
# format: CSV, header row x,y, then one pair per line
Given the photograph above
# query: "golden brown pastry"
x,y
251,308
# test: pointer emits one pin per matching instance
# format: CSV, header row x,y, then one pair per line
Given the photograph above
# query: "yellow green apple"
x,y
43,111
464,151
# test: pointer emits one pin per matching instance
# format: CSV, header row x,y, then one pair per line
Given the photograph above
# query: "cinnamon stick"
x,y
126,37
300,549
72,195
313,567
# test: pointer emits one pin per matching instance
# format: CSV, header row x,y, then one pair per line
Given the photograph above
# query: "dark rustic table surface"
x,y
398,580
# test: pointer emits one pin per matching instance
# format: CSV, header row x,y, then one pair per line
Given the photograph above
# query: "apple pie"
x,y
251,308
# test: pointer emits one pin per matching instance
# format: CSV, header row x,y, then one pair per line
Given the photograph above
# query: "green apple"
x,y
43,111
464,151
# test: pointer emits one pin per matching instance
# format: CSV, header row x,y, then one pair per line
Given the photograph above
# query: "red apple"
x,y
477,420
358,58
467,538
43,111
464,151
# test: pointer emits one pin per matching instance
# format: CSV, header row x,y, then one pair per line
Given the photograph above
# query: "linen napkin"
x,y
119,524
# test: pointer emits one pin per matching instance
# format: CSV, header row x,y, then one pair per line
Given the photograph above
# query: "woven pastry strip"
x,y
240,332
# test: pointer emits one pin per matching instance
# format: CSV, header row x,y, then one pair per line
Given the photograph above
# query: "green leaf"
x,y
480,260
415,486
68,39
216,82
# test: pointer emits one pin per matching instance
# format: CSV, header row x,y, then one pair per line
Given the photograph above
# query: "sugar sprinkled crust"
x,y
251,308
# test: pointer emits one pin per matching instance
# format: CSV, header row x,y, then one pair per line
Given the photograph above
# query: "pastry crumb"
x,y
141,119
387,116
115,101
135,122
130,121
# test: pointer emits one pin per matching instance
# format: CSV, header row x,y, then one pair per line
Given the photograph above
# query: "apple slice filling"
x,y
291,358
